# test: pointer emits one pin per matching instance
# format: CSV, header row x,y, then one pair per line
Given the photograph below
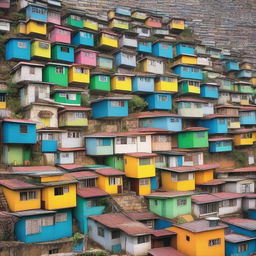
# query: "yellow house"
x,y
178,178
40,48
3,92
141,186
20,195
185,59
121,82
244,99
118,24
205,174
243,137
21,28
107,40
177,24
139,165
253,81
110,180
189,86
91,24
200,238
166,83
79,74
36,27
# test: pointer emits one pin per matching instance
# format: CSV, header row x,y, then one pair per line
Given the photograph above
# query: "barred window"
x,y
213,242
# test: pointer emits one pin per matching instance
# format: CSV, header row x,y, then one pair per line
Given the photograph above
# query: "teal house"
x,y
83,38
100,82
73,20
170,204
63,52
67,96
220,144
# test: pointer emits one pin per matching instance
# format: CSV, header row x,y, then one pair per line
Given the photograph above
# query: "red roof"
x,y
169,194
19,120
195,129
250,195
219,139
142,215
204,167
237,238
215,116
65,28
109,172
227,195
17,184
247,108
243,223
191,100
154,114
34,169
165,251
181,169
71,149
70,166
75,108
91,192
214,182
207,198
243,130
226,106
82,175
152,130
141,155
163,232
245,169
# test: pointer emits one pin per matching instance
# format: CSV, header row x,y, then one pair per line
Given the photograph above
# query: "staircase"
x,y
3,202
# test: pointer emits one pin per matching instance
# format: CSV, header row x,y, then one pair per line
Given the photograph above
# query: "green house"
x,y
244,87
56,73
100,82
116,162
170,204
73,20
193,137
67,96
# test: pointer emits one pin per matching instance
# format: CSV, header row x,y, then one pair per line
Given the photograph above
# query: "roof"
x,y
75,109
15,184
26,64
163,233
109,172
191,100
171,153
61,27
250,195
227,195
82,175
70,149
169,194
153,130
247,108
141,155
243,130
219,139
194,129
155,115
237,238
180,169
70,166
142,215
111,98
91,192
213,182
32,213
226,106
165,251
205,198
242,223
12,120
244,169
101,134
200,226
215,116
37,170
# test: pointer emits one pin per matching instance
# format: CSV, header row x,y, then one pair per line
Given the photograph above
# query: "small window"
x,y
155,202
43,45
115,234
117,103
163,98
144,182
188,238
143,138
144,161
143,239
213,242
200,134
114,181
101,231
23,129
48,221
181,202
61,217
59,70
32,70
53,251
103,78
22,44
120,78
58,191
80,115
64,49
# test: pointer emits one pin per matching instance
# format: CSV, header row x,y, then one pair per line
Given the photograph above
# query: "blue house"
x,y
220,144
209,90
63,52
159,101
126,11
231,65
83,38
184,48
17,49
125,58
187,71
239,245
245,73
167,121
144,45
163,49
88,203
216,123
111,107
37,226
247,115
36,12
143,83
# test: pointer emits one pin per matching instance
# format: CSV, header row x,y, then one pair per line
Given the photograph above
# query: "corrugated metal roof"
x,y
227,195
15,184
205,198
141,155
32,213
19,121
91,192
243,223
219,139
109,172
195,129
169,194
237,238
82,175
213,182
142,215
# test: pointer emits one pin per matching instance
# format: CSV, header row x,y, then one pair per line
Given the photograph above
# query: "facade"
x,y
17,49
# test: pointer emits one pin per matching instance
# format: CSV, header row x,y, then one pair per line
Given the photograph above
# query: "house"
x,y
114,107
17,136
239,185
25,71
110,180
36,12
226,84
71,138
204,60
56,73
128,39
86,57
154,21
224,97
191,107
231,112
249,204
169,158
73,20
209,90
214,53
117,23
210,73
185,59
144,45
3,93
143,83
192,157
188,71
212,186
67,96
184,47
159,101
79,75
115,161
105,61
54,16
167,251
139,14
73,116
106,40
70,156
100,82
5,25
220,144
176,25
142,30
40,49
216,123
116,232
36,226
60,34
90,201
245,98
193,137
243,137
35,28
205,173
170,204
245,73
160,32
83,37
167,121
200,49
17,49
91,23
166,83
189,86
243,87
162,48
230,65
125,58
63,52
247,115
21,195
200,236
239,244
152,65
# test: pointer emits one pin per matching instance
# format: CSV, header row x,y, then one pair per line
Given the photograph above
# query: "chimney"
x,y
213,221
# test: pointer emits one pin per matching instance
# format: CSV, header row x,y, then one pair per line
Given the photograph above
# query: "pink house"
x,y
86,57
154,21
54,17
60,34
5,4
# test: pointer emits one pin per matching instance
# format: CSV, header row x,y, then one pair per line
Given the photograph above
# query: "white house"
x,y
142,30
152,65
192,158
249,201
224,97
5,25
208,108
65,156
204,61
25,71
128,40
71,139
239,185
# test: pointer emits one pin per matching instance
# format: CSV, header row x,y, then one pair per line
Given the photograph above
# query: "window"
x,y
43,45
32,70
101,231
213,242
53,251
22,44
23,129
79,114
163,98
174,120
33,226
228,203
61,217
120,78
114,181
61,190
243,247
187,104
89,183
115,234
81,70
188,158
64,49
2,97
144,182
200,134
74,134
91,203
221,121
144,161
103,142
181,202
38,10
208,208
143,239
47,221
155,202
62,31
59,70
160,159
65,155
103,78
28,195
117,103
74,17
188,238
143,138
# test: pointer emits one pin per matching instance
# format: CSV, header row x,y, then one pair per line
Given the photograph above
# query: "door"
x,y
119,189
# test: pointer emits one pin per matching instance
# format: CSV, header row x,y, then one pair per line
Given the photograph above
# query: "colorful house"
x,y
239,185
128,39
185,47
166,83
73,116
70,156
3,93
115,161
106,40
220,144
144,45
105,61
54,16
170,204
247,115
193,137
189,72
73,20
99,82
185,59
209,90
162,48
17,49
152,65
205,173
83,38
243,87
154,21
40,49
67,96
5,25
143,83
197,237
215,53
35,28
56,73
60,34
142,30
21,195
243,137
216,123
121,82
158,101
245,73
86,57
169,158
110,107
230,65
79,75
160,32
176,25
63,52
125,58
139,15
36,12
117,23
72,138
189,86
91,23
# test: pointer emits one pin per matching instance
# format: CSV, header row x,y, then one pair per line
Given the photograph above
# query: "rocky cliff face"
x,y
229,24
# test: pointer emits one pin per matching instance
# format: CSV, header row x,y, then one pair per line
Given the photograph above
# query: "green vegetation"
x,y
240,158
137,104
